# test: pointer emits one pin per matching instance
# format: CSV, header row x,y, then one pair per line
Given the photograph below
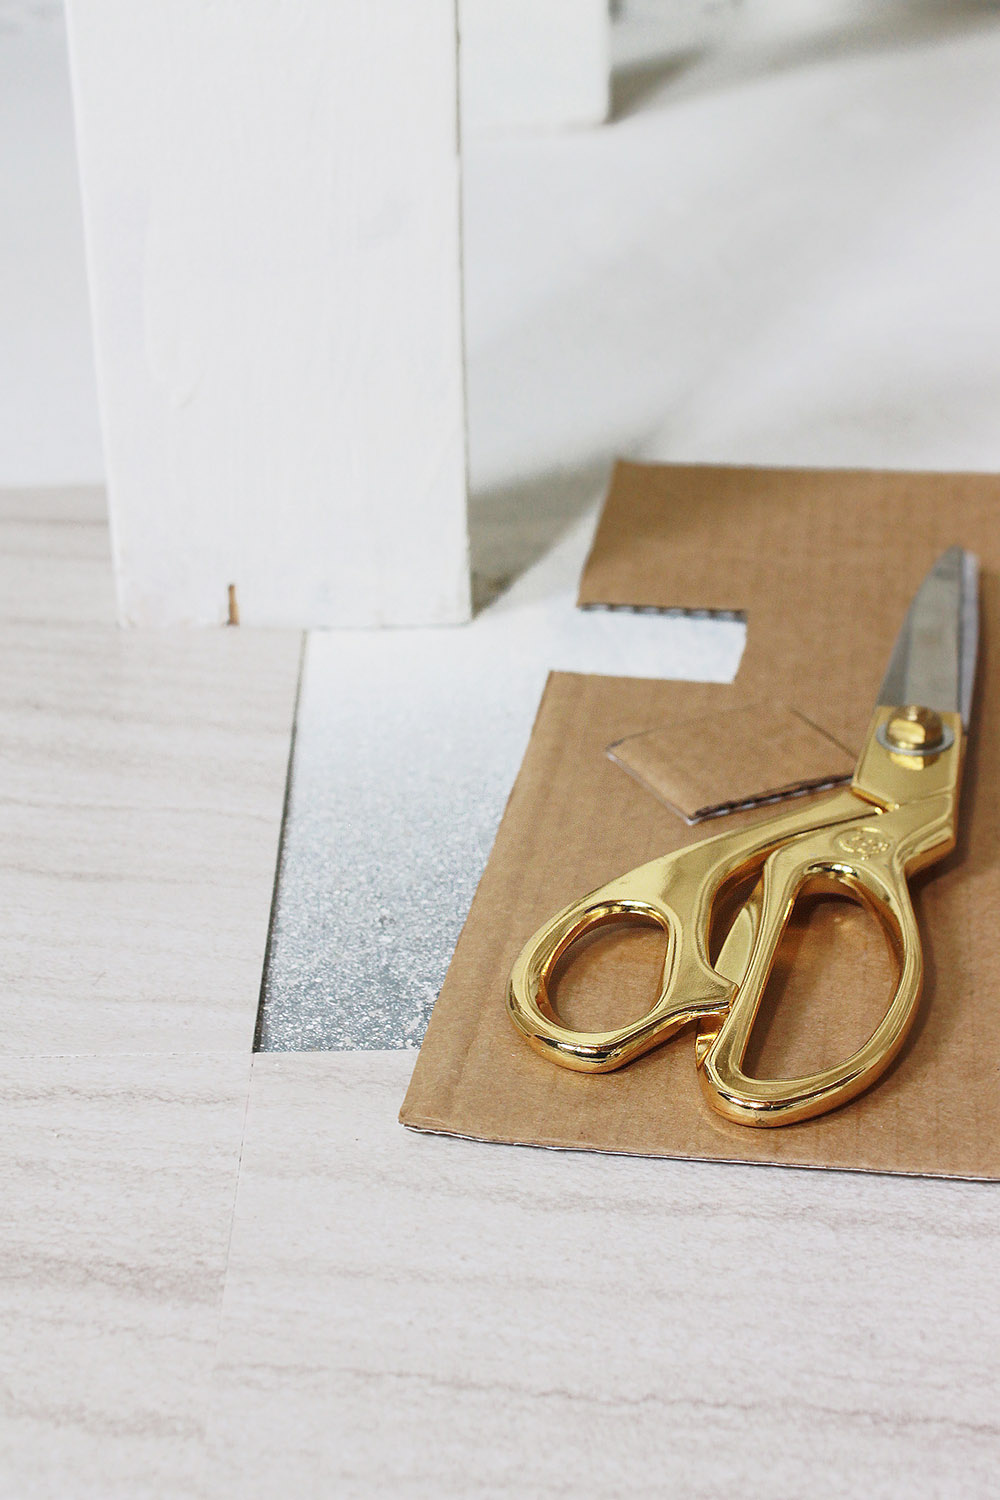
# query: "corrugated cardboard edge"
x,y
725,763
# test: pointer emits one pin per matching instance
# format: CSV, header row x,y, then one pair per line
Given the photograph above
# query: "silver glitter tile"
x,y
407,744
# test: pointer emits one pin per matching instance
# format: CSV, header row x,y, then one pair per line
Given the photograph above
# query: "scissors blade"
x,y
933,662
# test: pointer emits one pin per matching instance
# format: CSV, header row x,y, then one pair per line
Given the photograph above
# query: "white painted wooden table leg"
x,y
534,63
271,205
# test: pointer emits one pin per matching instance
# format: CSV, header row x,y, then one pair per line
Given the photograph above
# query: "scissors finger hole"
x,y
831,983
610,976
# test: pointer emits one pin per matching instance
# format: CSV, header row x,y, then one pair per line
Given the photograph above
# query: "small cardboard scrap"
x,y
743,757
824,565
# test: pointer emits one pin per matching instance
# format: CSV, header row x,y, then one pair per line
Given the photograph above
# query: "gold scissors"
x,y
897,816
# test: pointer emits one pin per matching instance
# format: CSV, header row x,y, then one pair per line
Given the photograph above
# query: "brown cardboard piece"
x,y
824,565
732,760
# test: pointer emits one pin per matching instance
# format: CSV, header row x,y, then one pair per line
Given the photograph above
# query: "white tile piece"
x,y
55,562
141,806
418,1316
119,1179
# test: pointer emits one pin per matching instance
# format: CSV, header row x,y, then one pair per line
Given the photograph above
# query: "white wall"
x,y
49,431
534,63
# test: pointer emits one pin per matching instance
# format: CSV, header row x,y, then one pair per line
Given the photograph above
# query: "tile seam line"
x,y
280,854
238,1174
150,1053
213,1364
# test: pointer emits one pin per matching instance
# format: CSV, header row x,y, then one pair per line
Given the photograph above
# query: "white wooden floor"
x,y
226,1275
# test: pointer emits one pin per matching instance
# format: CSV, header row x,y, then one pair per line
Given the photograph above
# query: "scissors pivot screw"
x,y
915,731
863,843
914,728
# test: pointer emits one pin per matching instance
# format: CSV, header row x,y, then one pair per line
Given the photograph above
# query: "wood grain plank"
x,y
119,1177
140,808
418,1316
55,561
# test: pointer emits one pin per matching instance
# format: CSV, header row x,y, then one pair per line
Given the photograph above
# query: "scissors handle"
x,y
866,860
677,893
897,816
